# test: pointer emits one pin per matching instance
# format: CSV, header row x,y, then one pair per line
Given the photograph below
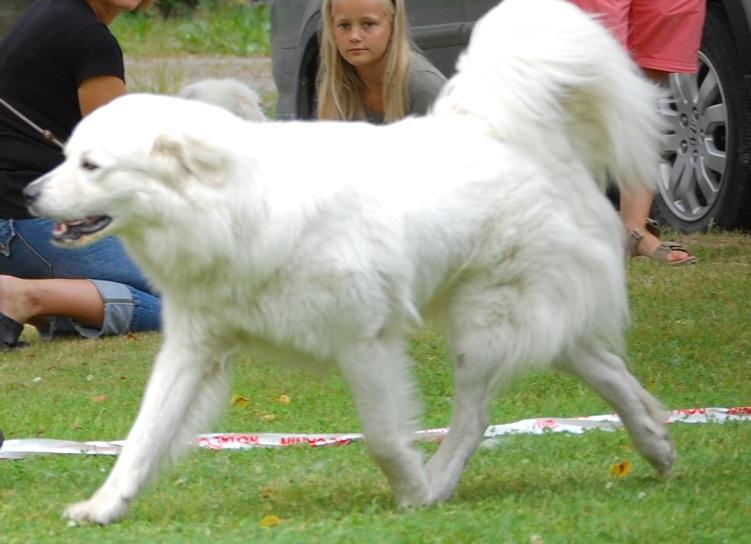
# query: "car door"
x,y
441,28
474,9
437,27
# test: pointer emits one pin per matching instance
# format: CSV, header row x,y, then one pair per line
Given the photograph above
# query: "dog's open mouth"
x,y
70,232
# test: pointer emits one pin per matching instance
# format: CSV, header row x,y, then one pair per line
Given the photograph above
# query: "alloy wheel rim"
x,y
695,143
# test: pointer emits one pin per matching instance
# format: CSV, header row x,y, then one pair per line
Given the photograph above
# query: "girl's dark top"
x,y
44,57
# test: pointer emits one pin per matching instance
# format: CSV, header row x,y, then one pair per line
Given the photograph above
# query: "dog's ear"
x,y
189,155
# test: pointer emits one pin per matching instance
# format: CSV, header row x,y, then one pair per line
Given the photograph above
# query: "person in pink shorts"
x,y
662,36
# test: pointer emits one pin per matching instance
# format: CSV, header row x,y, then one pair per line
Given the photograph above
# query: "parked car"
x,y
706,176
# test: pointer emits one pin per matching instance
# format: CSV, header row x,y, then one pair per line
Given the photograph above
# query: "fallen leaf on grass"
x,y
266,493
239,400
269,521
283,399
99,398
620,470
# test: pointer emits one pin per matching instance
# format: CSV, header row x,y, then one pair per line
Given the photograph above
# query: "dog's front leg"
x,y
379,374
185,391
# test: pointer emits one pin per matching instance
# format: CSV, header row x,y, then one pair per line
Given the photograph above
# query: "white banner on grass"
x,y
19,448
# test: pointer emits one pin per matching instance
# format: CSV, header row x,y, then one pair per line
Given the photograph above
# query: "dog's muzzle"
x,y
64,232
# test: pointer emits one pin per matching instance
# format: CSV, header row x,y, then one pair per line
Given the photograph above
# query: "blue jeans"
x,y
129,303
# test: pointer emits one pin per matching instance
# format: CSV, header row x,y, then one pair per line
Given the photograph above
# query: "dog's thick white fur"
x,y
325,243
228,93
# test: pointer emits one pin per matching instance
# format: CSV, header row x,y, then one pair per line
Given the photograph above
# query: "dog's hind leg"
x,y
379,374
493,330
641,414
186,389
476,378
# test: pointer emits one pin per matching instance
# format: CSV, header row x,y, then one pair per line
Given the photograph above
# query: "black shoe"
x,y
2,439
10,330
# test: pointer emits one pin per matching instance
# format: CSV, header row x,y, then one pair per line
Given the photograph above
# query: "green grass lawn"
x,y
689,343
215,28
219,39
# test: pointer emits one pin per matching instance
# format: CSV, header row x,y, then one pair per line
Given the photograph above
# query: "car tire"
x,y
705,178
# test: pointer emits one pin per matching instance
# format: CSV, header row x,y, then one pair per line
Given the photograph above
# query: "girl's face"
x,y
362,30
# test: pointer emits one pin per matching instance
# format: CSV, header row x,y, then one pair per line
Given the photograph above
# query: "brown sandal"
x,y
661,252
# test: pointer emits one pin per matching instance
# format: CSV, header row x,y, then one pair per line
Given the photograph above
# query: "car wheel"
x,y
704,181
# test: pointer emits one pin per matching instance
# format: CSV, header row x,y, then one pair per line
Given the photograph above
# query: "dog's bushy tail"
x,y
551,80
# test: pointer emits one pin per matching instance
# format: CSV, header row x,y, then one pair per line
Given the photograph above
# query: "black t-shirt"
x,y
52,48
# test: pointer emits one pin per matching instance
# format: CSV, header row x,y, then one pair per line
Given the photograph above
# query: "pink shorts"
x,y
660,34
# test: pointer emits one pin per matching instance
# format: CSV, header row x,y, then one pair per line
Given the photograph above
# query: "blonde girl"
x,y
369,69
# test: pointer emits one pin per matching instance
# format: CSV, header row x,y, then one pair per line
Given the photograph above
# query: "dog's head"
x,y
124,164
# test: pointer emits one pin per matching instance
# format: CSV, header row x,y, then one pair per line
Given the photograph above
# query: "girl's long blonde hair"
x,y
340,89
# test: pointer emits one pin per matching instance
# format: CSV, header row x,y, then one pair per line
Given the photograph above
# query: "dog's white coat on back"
x,y
325,243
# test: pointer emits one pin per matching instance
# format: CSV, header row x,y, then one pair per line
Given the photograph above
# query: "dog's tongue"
x,y
69,227
73,230
59,229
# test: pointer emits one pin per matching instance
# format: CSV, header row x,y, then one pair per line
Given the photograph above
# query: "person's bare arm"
x,y
97,91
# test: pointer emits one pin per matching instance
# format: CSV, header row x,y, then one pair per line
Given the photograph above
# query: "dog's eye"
x,y
86,164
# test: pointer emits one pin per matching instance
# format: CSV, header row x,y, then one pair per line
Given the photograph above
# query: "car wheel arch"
x,y
305,91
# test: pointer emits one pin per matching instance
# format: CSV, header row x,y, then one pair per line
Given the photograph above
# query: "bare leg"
x,y
635,210
640,412
378,373
635,207
185,392
27,300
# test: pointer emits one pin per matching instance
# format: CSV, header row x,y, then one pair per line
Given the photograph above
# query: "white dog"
x,y
325,243
228,93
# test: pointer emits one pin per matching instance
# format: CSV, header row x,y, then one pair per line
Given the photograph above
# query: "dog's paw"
x,y
664,458
443,481
413,495
100,509
406,503
655,445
